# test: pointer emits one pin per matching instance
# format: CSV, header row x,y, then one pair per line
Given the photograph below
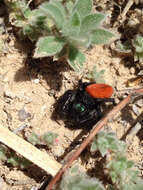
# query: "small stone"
x,y
139,103
58,151
23,115
135,129
36,81
3,185
21,128
51,92
9,94
141,151
140,72
135,110
132,70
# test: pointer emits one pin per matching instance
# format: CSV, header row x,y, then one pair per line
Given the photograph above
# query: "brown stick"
x,y
95,130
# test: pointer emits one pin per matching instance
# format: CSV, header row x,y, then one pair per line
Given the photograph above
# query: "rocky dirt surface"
x,y
35,89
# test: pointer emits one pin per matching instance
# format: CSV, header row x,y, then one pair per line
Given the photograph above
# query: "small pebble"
x,y
23,115
135,110
139,103
9,94
135,129
141,151
51,92
140,72
58,151
21,128
132,70
36,81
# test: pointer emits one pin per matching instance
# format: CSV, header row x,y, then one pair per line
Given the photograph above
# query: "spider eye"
x,y
79,107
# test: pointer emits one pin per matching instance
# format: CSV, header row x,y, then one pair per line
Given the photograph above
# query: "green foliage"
x,y
46,46
105,142
135,46
61,28
10,157
122,173
34,139
120,169
124,47
74,179
49,138
96,76
138,46
3,152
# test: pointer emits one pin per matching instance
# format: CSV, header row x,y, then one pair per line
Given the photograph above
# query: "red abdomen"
x,y
99,90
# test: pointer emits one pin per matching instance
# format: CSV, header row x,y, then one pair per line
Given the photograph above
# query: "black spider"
x,y
79,107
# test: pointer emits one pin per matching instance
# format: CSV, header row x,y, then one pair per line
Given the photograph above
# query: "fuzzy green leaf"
x,y
3,151
138,56
77,180
72,27
124,47
49,138
139,186
27,30
22,7
80,41
84,7
96,76
138,44
30,32
36,18
107,141
54,11
34,139
13,160
69,5
76,59
60,7
91,22
48,46
101,36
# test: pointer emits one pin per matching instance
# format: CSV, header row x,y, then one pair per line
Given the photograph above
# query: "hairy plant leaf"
x,y
80,41
96,76
3,151
34,139
76,59
84,7
107,141
30,32
91,22
36,18
138,44
101,36
60,7
54,11
138,56
49,138
72,27
48,46
77,180
69,5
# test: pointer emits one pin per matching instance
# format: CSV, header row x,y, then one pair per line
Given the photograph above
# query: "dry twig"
x,y
95,130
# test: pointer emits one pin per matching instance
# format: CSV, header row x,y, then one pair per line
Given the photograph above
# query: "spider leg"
x,y
106,100
66,100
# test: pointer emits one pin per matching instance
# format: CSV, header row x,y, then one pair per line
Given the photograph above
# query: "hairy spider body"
x,y
83,105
